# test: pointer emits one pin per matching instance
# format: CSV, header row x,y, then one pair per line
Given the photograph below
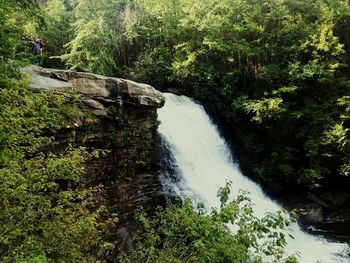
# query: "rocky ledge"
x,y
120,118
100,87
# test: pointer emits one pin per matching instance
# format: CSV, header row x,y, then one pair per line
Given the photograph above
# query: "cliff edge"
x,y
120,118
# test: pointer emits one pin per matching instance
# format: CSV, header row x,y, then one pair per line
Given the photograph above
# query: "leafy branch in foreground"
x,y
229,234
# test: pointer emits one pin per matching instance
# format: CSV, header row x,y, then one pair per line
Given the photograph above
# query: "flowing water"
x,y
204,163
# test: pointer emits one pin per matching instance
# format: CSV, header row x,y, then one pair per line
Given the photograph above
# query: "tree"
x,y
96,36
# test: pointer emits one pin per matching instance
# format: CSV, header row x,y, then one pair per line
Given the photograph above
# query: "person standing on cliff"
x,y
38,48
41,43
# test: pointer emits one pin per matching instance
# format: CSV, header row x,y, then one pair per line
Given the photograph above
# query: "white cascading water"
x,y
205,163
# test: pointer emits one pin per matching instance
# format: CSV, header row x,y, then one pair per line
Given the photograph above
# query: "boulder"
x,y
40,80
314,214
94,86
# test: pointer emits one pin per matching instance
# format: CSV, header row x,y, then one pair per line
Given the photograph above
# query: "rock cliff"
x,y
121,118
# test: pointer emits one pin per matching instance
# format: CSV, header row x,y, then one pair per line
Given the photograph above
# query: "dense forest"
x,y
275,72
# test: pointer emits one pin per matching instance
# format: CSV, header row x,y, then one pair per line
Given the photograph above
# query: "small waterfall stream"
x,y
204,163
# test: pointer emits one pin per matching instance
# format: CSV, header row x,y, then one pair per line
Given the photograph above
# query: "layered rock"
x,y
123,122
95,86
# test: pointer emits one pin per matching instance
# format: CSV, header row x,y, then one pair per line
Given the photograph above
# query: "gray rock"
x,y
94,86
40,80
100,112
145,94
314,215
94,104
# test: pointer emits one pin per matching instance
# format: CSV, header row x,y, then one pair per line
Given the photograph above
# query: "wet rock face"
x,y
128,171
124,125
324,213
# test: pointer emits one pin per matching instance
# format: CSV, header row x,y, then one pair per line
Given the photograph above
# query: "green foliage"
x,y
260,109
57,31
153,66
44,216
277,72
40,220
229,234
91,48
99,33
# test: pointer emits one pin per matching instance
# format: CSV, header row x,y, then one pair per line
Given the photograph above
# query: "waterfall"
x,y
204,163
